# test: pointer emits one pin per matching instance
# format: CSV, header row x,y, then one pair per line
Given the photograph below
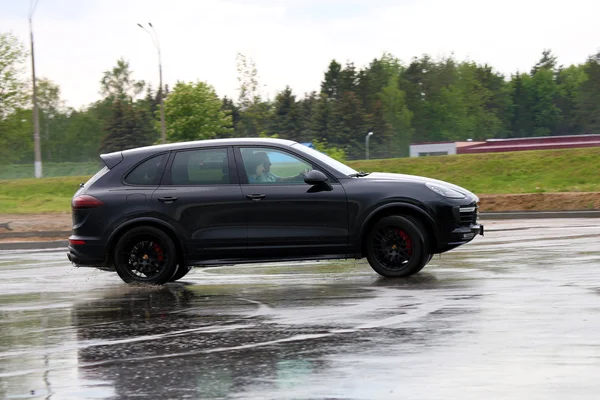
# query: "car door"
x,y
286,216
201,195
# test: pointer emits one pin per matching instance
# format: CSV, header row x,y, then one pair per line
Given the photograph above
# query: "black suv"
x,y
154,212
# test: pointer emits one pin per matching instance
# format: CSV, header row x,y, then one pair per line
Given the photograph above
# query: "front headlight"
x,y
445,191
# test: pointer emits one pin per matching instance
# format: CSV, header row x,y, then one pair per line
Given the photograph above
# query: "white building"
x,y
438,148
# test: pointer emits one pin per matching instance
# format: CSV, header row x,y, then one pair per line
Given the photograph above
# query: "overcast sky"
x,y
291,41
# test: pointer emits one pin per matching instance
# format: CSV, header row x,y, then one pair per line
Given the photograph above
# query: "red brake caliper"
x,y
407,241
159,252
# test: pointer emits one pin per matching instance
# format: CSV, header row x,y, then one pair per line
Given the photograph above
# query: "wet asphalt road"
x,y
512,315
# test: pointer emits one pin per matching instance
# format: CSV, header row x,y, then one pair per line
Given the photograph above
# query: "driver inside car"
x,y
261,173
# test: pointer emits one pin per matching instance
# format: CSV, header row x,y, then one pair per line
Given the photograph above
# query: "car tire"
x,y
181,272
397,247
145,255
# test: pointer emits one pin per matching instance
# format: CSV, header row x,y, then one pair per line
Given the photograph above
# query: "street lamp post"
x,y
367,144
163,133
36,115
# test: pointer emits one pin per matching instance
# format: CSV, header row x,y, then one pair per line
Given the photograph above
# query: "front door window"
x,y
268,166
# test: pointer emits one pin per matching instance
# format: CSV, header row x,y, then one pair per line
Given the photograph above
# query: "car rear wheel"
x,y
145,255
397,247
181,272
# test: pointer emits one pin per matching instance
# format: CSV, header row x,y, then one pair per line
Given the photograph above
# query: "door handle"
x,y
167,199
255,197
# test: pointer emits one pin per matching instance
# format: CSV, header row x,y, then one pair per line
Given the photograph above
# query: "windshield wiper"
x,y
359,174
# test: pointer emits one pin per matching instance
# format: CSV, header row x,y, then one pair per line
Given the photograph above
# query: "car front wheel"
x,y
145,255
397,247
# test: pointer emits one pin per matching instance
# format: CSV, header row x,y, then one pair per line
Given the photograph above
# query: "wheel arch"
x,y
402,209
145,221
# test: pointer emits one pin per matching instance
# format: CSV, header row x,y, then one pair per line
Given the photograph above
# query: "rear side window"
x,y
200,167
96,176
148,172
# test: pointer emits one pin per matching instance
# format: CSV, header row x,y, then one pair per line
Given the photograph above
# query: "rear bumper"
x,y
84,256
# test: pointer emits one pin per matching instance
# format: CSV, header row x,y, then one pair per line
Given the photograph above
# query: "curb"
x,y
30,234
54,244
539,214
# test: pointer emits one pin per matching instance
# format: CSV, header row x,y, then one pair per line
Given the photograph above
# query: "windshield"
x,y
343,168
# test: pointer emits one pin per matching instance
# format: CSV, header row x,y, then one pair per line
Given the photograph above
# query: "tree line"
x,y
402,103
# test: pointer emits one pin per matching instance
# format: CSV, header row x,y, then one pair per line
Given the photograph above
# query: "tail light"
x,y
85,201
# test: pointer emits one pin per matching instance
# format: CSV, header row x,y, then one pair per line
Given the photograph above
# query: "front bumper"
x,y
466,234
460,236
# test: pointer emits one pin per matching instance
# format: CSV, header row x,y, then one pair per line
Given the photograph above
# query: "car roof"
x,y
202,143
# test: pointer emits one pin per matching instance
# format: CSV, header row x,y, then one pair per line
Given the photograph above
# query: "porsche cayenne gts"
x,y
153,213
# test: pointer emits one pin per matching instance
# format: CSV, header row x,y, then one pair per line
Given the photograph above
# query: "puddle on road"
x,y
525,308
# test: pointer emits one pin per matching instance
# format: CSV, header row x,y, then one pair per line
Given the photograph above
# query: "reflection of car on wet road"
x,y
152,213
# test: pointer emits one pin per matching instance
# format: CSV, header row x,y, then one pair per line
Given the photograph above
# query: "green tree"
x,y
126,124
248,81
397,117
148,110
255,113
497,100
321,114
230,108
331,84
432,97
126,128
13,93
480,117
521,120
374,78
83,136
449,115
547,61
16,139
348,79
569,82
193,112
546,115
53,121
118,83
588,98
381,145
347,125
307,108
286,116
336,153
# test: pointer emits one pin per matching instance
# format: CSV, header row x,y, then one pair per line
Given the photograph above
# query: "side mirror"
x,y
315,177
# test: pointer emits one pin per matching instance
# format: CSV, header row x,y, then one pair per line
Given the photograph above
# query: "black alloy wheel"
x,y
396,247
393,247
146,255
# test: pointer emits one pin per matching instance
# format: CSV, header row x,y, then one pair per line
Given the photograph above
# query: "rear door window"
x,y
148,172
200,167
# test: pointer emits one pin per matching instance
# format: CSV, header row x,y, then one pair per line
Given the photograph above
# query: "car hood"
x,y
380,176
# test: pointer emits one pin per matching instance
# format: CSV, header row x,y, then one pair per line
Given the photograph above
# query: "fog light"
x,y
468,235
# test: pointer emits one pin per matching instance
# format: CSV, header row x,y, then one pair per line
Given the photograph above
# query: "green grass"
x,y
573,170
29,196
24,171
569,170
